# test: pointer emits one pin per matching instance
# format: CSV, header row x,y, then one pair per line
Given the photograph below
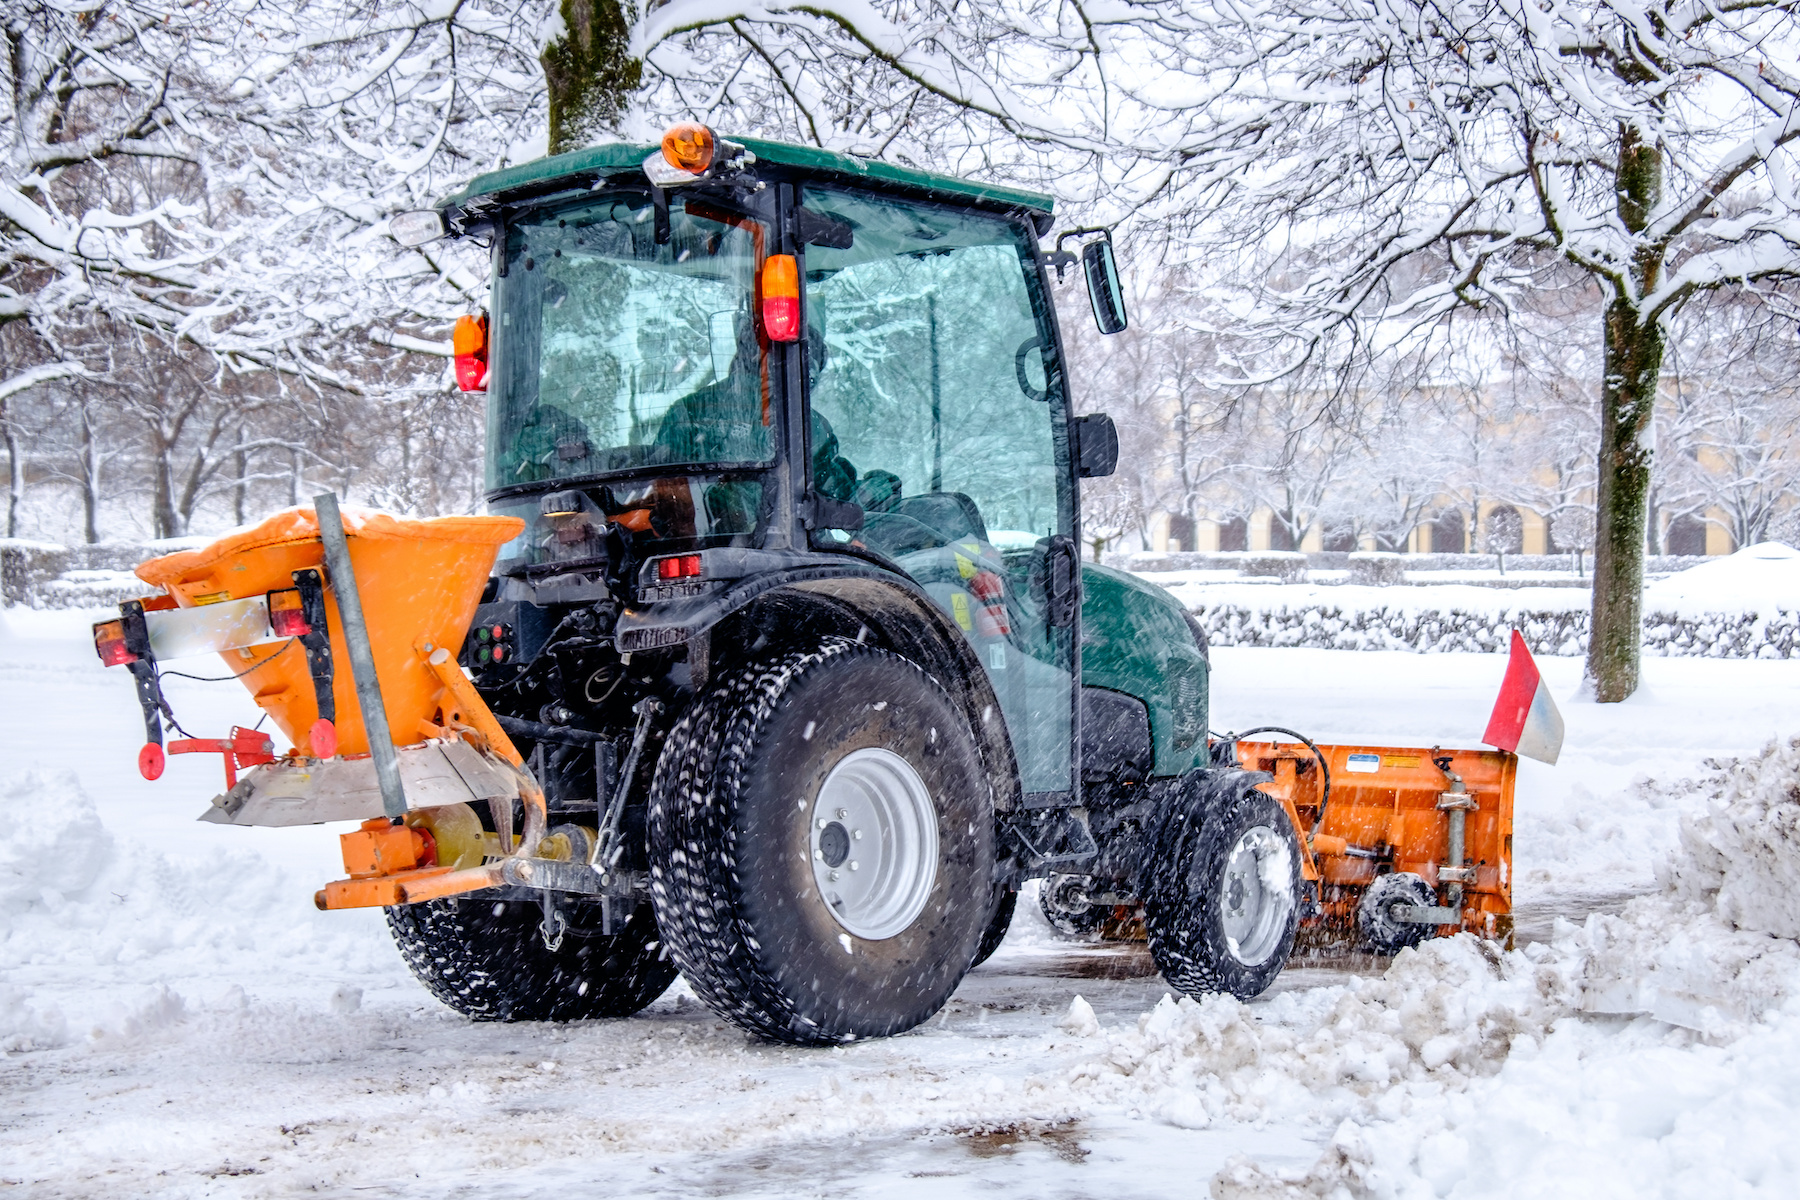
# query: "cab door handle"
x,y
1062,582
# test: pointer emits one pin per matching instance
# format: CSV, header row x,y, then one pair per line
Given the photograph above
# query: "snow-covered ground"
x,y
179,1021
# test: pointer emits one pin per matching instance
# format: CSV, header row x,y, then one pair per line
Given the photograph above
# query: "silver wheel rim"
x,y
873,840
1256,894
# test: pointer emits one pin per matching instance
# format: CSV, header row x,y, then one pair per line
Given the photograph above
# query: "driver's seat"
x,y
952,514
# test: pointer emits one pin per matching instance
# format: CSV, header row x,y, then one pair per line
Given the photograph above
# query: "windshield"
x,y
614,353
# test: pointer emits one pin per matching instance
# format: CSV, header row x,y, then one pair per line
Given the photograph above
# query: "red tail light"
x,y
286,615
781,298
109,644
470,342
681,566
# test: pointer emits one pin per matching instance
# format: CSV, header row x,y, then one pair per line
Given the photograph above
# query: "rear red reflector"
x,y
681,566
286,616
109,644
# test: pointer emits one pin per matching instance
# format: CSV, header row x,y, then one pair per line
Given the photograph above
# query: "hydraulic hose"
x,y
1324,767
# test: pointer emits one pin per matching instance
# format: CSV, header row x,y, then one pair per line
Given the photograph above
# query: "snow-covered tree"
x,y
1735,412
1368,161
206,184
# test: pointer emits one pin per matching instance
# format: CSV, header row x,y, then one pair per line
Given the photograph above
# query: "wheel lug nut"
x,y
833,877
853,864
842,813
857,835
822,822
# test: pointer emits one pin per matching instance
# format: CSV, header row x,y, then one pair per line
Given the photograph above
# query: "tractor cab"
x,y
786,361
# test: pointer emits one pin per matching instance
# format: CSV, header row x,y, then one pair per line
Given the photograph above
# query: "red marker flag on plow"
x,y
1525,719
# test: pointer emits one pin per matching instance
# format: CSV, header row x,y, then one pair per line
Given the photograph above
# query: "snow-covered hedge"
x,y
1746,605
1337,626
1334,625
1363,566
50,575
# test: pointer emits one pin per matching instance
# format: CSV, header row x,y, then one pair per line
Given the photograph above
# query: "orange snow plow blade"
x,y
1390,812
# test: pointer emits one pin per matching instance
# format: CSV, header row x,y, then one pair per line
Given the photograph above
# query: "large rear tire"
x,y
487,960
822,845
1222,898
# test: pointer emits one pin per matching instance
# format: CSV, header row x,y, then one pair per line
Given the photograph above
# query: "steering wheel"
x,y
1026,347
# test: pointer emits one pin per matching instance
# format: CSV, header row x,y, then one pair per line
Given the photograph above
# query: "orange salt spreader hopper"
x,y
419,581
344,626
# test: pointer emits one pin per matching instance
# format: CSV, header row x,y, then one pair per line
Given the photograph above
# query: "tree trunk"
x,y
589,71
1627,401
15,474
167,522
1633,366
90,477
240,492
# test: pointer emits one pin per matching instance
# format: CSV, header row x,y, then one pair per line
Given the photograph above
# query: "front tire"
x,y
1063,899
1375,919
822,846
1223,896
487,960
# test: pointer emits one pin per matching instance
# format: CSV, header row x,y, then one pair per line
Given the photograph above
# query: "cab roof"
x,y
611,157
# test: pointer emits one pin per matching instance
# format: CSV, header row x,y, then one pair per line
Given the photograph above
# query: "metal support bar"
x,y
362,654
549,875
1421,914
474,708
317,643
548,733
647,710
1456,802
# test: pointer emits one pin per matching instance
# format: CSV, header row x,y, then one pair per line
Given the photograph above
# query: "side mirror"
x,y
1095,445
1104,290
417,228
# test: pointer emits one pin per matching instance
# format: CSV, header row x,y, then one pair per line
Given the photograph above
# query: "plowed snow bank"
x,y
135,924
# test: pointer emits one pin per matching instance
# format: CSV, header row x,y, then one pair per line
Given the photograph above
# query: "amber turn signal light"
x,y
781,298
689,147
469,342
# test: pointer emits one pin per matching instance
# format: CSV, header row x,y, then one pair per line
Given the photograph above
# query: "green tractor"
x,y
798,627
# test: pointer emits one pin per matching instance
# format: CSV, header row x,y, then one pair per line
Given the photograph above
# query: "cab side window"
x,y
936,401
930,370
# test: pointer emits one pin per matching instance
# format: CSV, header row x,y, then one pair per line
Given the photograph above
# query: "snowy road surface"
x,y
182,1022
